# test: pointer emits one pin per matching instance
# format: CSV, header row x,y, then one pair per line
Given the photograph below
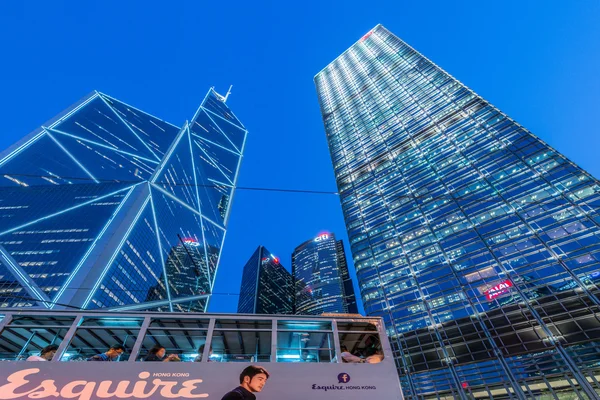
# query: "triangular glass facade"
x,y
106,206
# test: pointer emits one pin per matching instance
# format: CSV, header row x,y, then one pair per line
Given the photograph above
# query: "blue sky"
x,y
538,61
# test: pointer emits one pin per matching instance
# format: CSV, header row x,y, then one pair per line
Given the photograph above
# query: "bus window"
x,y
185,343
97,335
235,323
304,326
240,345
294,346
359,342
27,336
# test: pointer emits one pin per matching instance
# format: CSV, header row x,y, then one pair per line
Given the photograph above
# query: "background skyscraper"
x,y
476,241
323,283
106,206
267,287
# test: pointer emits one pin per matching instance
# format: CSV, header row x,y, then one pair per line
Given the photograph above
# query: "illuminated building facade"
x,y
477,242
323,283
106,206
267,287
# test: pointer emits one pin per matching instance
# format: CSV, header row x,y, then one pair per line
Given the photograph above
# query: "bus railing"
x,y
80,335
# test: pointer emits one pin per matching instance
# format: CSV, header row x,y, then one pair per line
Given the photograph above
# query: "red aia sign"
x,y
497,290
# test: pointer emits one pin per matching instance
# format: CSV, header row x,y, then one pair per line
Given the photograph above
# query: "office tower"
x,y
107,206
476,241
323,284
187,273
267,287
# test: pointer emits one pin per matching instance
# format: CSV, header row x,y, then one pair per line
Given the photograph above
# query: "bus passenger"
x,y
348,357
112,354
252,380
201,352
371,346
307,357
375,358
157,353
46,354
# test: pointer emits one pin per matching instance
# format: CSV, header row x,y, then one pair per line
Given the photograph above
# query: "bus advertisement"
x,y
23,380
316,357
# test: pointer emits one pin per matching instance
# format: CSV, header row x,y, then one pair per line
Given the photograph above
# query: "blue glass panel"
x,y
177,176
105,164
204,127
213,237
219,164
233,133
12,294
22,205
218,107
136,274
191,306
50,249
51,163
214,196
157,133
99,123
182,243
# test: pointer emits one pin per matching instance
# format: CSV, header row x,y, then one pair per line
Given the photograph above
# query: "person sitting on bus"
x,y
307,357
347,357
371,346
46,354
112,354
201,352
375,358
157,353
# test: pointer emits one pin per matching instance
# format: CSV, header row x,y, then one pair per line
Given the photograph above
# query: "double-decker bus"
x,y
308,357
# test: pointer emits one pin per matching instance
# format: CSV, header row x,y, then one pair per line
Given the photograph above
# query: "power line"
x,y
488,199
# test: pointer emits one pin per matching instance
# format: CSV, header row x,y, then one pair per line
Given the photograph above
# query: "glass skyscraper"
x,y
323,284
476,241
267,287
106,206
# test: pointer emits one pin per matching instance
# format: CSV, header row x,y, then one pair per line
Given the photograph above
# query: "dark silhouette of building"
x,y
267,287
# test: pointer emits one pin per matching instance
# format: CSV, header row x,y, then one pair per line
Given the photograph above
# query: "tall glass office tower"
x,y
106,206
323,284
476,241
267,287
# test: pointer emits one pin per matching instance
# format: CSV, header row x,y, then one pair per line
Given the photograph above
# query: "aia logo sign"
x,y
499,289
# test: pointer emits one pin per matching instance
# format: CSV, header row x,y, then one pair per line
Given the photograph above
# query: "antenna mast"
x,y
228,93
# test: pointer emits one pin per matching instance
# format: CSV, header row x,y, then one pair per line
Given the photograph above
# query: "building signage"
x,y
322,237
191,242
499,289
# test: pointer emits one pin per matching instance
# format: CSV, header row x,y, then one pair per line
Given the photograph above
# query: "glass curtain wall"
x,y
477,242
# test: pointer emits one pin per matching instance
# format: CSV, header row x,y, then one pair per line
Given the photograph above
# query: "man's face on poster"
x,y
257,382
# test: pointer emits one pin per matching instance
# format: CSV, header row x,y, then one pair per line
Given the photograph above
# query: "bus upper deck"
x,y
316,356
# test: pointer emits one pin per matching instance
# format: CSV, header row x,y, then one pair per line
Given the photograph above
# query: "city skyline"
x,y
477,242
116,61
